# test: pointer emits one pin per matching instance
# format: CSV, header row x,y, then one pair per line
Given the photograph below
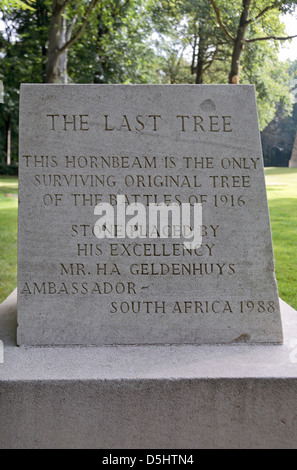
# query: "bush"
x,y
11,170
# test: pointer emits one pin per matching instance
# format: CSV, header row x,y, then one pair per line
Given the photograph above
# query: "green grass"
x,y
282,198
8,235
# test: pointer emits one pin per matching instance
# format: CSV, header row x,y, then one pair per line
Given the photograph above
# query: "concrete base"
x,y
186,397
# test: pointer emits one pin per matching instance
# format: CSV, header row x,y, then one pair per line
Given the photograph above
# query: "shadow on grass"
x,y
280,171
8,189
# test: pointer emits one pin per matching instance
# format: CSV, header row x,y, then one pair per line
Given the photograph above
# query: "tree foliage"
x,y
25,5
142,41
193,30
246,22
116,47
278,137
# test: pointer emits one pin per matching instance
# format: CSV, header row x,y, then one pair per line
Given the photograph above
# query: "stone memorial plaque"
x,y
113,181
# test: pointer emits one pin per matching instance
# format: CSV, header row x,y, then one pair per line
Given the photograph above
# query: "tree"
x,y
261,67
197,37
112,41
25,5
278,138
293,71
31,30
204,36
60,40
293,159
8,114
109,25
193,28
7,109
23,59
175,68
117,46
257,16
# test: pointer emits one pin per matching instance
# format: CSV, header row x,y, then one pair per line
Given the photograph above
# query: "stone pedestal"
x,y
144,397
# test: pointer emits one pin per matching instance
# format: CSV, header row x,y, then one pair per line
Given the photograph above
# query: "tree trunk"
x,y
239,42
193,65
8,141
56,28
66,33
63,61
200,61
101,71
42,24
200,54
52,66
293,161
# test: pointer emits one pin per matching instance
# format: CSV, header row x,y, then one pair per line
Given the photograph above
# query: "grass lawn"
x,y
282,197
8,235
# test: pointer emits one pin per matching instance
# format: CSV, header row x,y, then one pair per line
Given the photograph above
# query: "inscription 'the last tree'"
x,y
91,152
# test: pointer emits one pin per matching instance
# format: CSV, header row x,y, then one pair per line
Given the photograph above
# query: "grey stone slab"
x,y
143,362
145,397
82,145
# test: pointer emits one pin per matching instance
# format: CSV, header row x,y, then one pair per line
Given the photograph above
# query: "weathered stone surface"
x,y
82,145
210,396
